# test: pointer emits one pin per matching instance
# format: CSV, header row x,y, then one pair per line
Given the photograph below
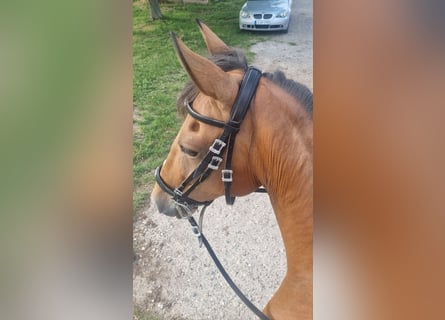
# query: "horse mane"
x,y
236,59
296,89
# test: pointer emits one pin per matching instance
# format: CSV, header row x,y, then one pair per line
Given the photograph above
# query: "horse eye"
x,y
187,151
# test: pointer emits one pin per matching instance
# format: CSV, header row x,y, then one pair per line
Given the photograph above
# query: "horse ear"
x,y
208,77
214,43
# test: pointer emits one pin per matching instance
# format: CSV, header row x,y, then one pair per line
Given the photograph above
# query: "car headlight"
x,y
244,14
283,14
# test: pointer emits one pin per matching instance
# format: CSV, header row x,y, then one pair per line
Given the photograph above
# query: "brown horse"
x,y
273,148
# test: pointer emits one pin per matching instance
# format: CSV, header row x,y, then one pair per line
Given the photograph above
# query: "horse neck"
x,y
282,163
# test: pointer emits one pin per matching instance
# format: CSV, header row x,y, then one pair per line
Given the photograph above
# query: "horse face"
x,y
188,149
217,92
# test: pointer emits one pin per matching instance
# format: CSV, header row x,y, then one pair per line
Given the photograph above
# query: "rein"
x,y
202,239
210,163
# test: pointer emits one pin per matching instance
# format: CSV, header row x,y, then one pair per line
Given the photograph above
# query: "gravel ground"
x,y
291,52
176,279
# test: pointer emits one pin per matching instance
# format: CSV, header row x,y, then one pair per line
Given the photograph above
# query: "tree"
x,y
155,10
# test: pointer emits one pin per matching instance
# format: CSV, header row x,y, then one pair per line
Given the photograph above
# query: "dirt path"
x,y
176,279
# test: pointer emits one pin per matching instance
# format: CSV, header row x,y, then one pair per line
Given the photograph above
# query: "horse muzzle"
x,y
170,208
175,202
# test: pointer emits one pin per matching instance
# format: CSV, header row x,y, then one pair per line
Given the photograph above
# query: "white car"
x,y
263,15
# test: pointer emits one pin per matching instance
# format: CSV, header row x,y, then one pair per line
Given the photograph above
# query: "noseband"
x,y
214,157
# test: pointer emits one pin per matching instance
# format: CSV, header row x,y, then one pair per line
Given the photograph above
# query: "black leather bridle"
x,y
214,157
210,163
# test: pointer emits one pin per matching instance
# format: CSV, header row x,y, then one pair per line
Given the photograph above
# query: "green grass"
x,y
158,77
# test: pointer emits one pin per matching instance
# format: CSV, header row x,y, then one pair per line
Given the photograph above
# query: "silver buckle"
x,y
214,163
196,231
183,210
227,175
178,192
217,146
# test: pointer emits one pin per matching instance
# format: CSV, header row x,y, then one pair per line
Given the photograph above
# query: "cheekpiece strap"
x,y
242,103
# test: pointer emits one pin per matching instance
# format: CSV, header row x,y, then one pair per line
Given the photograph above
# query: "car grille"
x,y
263,26
262,16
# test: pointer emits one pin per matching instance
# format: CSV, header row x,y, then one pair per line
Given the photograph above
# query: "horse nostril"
x,y
171,212
165,207
168,210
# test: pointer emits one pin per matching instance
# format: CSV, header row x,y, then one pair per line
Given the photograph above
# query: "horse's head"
x,y
181,183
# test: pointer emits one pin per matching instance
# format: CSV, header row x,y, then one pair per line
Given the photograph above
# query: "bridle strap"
x,y
242,103
239,110
214,157
246,92
197,116
177,197
211,162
